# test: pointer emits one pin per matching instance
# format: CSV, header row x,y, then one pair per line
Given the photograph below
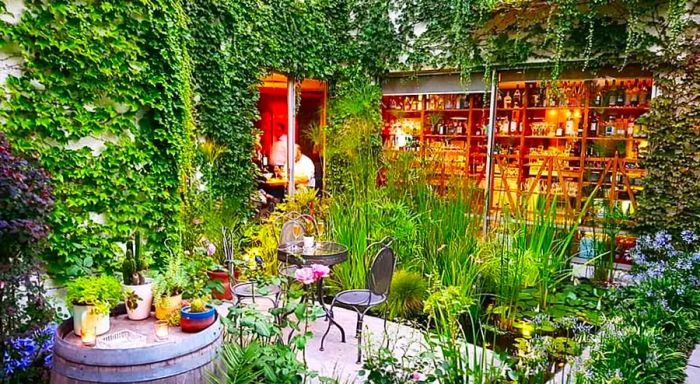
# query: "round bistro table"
x,y
326,253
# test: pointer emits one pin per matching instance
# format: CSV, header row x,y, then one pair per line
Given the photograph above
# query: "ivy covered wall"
x,y
101,100
111,98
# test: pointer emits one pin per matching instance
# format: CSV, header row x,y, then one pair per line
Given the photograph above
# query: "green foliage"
x,y
134,264
472,35
102,292
408,290
171,281
118,74
671,197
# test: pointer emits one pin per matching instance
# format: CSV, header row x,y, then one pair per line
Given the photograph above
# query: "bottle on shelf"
x,y
621,126
416,104
592,124
542,95
507,101
597,91
629,90
630,127
516,97
644,93
533,95
448,102
570,125
560,130
499,97
610,126
634,94
612,95
579,132
513,126
621,94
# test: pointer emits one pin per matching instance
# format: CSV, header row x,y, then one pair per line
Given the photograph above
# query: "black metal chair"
x,y
379,277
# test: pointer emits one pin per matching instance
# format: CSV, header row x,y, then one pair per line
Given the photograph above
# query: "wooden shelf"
x,y
466,157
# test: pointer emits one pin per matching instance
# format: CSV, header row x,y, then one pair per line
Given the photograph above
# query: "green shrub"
x,y
408,290
102,292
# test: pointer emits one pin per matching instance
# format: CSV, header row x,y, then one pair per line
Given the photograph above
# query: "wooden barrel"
x,y
184,358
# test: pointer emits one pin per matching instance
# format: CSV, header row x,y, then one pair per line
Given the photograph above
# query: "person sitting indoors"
x,y
304,169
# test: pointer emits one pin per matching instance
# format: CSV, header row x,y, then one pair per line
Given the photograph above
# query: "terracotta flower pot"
x,y
192,322
167,306
223,277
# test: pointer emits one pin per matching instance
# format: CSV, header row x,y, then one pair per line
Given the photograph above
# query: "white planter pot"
x,y
102,325
143,307
309,242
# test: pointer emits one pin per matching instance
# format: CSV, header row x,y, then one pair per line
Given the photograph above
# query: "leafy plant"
x,y
171,281
101,292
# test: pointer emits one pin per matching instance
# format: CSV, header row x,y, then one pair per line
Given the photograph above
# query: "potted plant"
x,y
138,294
167,290
96,295
219,275
197,316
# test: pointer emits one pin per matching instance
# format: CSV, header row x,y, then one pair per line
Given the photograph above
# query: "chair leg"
x,y
386,312
360,318
323,339
358,325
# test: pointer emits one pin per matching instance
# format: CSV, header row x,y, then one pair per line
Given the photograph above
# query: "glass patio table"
x,y
326,253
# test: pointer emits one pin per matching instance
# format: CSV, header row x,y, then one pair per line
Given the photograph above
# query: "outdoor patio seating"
x,y
379,277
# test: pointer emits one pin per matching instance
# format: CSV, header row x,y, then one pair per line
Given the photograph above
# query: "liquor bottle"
x,y
551,97
533,95
634,97
592,124
621,92
516,97
513,126
628,93
440,102
621,126
542,95
570,126
612,95
643,94
560,130
630,127
416,105
610,126
507,101
579,132
448,102
499,98
393,104
598,94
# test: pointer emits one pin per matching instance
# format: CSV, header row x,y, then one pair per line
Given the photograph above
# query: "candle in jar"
x,y
161,330
88,336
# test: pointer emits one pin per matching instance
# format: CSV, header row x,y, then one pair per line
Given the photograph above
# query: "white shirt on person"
x,y
278,154
305,167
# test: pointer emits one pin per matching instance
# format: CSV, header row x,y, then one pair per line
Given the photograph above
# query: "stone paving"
x,y
693,368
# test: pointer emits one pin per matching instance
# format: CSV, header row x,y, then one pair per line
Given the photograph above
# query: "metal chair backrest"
x,y
381,271
287,232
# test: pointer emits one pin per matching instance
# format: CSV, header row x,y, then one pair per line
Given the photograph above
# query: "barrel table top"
x,y
193,350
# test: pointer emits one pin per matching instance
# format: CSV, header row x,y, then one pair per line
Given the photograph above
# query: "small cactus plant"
x,y
134,264
197,305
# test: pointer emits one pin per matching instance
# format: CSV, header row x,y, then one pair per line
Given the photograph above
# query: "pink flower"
x,y
320,271
305,276
418,376
196,221
211,249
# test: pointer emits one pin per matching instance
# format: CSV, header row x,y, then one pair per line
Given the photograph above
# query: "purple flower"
x,y
211,249
680,291
664,304
258,260
418,376
48,360
662,240
689,237
684,264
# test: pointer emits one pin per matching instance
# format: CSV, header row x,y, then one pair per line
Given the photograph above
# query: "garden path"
x,y
693,367
337,361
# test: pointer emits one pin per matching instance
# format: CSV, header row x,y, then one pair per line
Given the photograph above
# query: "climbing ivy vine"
x,y
103,103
